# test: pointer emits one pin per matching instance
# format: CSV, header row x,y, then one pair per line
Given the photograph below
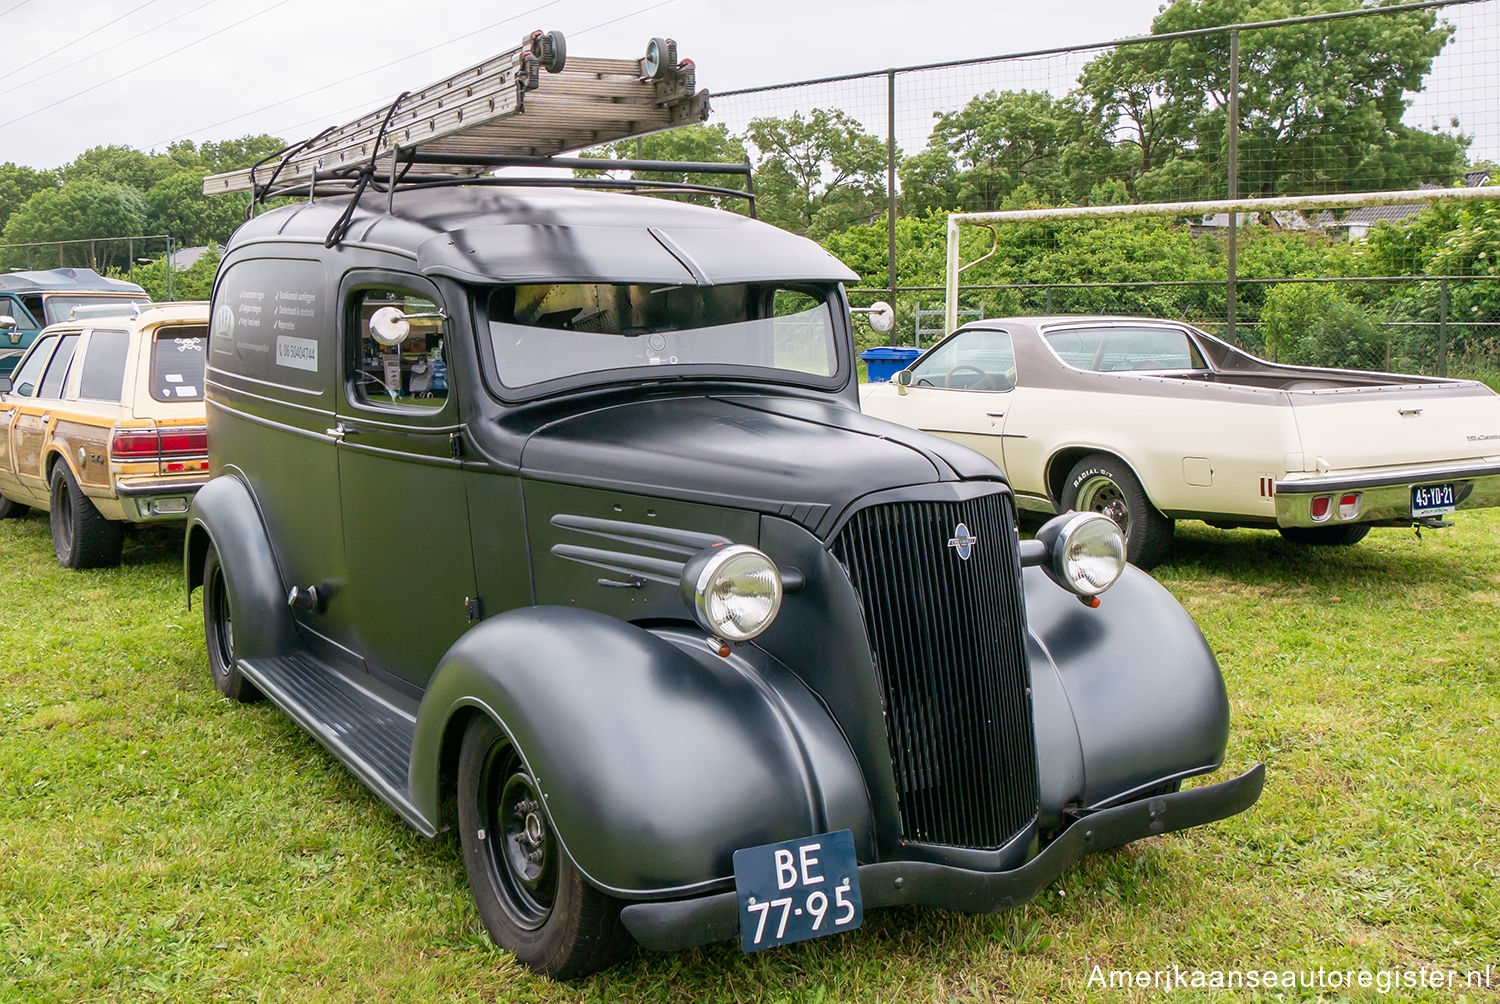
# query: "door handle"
x,y
995,414
46,417
338,432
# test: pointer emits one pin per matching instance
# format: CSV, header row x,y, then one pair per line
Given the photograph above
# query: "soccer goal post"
x,y
1309,206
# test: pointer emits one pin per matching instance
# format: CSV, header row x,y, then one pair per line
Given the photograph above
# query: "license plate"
x,y
1433,500
797,890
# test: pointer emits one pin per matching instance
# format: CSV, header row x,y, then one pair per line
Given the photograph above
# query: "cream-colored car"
x,y
1154,421
102,424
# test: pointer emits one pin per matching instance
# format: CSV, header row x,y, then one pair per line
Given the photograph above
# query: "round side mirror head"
x,y
902,378
389,326
7,323
882,317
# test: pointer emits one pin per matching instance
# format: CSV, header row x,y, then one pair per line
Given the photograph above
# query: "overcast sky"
x,y
83,73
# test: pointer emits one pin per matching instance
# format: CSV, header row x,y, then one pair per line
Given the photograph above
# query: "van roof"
x,y
65,280
508,233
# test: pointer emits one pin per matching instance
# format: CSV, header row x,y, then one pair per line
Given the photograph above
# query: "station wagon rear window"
x,y
548,332
1115,348
177,363
104,366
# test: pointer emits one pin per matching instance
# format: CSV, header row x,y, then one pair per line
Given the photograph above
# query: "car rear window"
x,y
177,363
104,366
1109,349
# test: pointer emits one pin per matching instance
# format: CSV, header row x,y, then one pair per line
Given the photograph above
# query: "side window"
x,y
387,369
1107,350
177,363
800,339
17,312
104,366
35,307
973,360
57,370
30,371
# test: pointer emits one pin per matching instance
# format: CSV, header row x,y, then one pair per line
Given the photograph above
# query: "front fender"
x,y
1133,681
656,758
224,513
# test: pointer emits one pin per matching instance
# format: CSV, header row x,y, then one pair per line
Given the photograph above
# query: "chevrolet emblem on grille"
x,y
963,541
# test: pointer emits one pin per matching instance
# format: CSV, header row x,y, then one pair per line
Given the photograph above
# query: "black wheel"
x,y
1102,483
81,536
533,901
10,509
218,632
1326,536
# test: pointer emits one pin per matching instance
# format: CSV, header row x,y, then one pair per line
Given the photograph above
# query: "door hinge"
x,y
456,445
472,608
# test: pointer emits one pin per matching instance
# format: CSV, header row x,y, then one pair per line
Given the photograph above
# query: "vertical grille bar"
x,y
948,636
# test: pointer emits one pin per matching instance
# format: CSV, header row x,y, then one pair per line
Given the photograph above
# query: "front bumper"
x,y
1385,496
685,923
160,501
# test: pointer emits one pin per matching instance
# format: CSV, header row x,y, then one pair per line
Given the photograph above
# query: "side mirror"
x,y
390,326
4,385
902,380
879,315
9,326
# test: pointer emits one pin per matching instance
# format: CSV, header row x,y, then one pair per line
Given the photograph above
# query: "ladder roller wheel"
x,y
551,49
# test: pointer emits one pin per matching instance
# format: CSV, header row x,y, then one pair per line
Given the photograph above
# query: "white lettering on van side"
x,y
298,353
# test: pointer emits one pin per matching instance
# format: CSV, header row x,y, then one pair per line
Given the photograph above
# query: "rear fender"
x,y
224,514
656,758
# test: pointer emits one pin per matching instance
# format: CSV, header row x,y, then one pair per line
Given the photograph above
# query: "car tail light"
x,y
1321,506
1349,505
184,442
134,444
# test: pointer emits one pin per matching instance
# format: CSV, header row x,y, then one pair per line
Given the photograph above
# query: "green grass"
x,y
160,843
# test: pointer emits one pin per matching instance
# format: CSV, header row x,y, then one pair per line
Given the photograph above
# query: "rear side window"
x,y
57,370
177,363
104,366
1115,348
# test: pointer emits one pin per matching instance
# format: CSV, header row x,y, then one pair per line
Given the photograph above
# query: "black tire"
x,y
218,633
10,509
1102,483
533,901
81,536
1326,536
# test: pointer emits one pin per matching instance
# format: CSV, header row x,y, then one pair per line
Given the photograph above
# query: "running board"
x,y
371,736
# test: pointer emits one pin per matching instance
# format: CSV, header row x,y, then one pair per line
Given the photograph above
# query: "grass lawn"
x,y
160,843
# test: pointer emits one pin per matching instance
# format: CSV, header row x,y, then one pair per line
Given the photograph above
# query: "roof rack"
x,y
502,109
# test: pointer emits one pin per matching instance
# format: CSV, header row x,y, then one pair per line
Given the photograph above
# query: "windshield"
x,y
547,332
60,308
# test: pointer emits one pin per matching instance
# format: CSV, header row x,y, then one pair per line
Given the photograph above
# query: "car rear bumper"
x,y
1385,496
683,923
158,502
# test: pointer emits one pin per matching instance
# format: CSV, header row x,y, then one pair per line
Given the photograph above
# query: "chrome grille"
x,y
948,636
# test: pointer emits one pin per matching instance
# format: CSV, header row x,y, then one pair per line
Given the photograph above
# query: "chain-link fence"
x,y
1398,97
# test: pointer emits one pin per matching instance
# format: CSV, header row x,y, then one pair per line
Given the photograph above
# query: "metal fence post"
x,y
890,181
1443,328
1233,129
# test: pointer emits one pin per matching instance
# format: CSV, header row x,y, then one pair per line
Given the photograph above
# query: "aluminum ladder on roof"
x,y
503,106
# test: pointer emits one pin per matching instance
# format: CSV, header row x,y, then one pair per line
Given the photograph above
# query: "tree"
x,y
980,154
176,206
120,165
17,184
702,143
818,174
1320,105
79,210
1313,324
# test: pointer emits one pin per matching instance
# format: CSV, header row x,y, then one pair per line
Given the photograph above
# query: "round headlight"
x,y
735,591
1088,553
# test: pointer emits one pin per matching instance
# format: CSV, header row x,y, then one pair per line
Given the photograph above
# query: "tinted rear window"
x,y
177,363
57,370
104,366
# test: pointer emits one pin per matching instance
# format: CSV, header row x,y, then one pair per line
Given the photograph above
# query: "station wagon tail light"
x,y
184,442
734,590
1349,505
1322,506
134,444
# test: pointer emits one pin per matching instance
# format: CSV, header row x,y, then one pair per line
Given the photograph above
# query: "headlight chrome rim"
x,y
707,580
1083,530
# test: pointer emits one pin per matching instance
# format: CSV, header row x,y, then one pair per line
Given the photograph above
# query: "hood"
x,y
796,458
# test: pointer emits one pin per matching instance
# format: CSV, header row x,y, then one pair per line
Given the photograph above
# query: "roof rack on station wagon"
x,y
502,112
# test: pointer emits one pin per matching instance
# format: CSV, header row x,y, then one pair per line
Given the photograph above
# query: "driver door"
x,y
406,518
962,390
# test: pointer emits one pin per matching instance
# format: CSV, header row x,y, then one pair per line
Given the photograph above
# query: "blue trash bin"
x,y
884,361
